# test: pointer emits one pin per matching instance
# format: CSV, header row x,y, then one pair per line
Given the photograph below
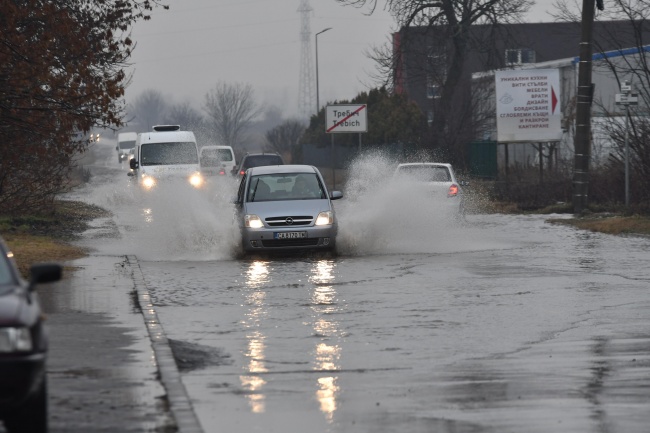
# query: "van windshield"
x,y
127,144
169,153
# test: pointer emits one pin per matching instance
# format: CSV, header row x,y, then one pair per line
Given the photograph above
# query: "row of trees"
x,y
62,72
230,116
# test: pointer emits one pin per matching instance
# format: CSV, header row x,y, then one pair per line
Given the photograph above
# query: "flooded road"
x,y
502,324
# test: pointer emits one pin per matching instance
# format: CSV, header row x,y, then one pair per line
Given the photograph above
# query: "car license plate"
x,y
289,235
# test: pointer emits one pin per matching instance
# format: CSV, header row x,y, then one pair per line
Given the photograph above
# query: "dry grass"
x,y
611,224
48,238
29,249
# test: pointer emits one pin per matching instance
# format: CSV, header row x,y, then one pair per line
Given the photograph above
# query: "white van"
x,y
216,160
125,142
164,155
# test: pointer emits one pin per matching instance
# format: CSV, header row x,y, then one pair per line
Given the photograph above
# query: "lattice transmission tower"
x,y
306,91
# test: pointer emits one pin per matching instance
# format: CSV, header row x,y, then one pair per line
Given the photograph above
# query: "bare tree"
x,y
150,108
285,138
444,49
185,115
231,109
190,119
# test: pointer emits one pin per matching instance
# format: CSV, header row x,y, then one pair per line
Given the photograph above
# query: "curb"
x,y
179,402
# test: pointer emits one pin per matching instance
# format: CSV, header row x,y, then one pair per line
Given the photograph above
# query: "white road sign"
x,y
528,105
627,99
346,118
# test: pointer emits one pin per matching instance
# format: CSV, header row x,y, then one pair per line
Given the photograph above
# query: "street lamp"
x,y
317,98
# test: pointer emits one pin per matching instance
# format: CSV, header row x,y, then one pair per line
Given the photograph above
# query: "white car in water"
x,y
438,180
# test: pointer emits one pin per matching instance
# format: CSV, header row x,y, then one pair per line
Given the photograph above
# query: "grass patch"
x,y
610,224
48,237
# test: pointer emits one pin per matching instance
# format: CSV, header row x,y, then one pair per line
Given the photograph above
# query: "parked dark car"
x,y
257,160
23,346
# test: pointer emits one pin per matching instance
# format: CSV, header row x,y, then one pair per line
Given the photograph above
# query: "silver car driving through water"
x,y
286,207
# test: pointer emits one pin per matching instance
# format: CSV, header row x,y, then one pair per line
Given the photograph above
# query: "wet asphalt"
x,y
111,366
107,372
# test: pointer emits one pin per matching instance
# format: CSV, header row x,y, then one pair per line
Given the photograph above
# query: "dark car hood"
x,y
11,309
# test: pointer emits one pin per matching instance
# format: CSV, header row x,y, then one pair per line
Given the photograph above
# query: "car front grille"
x,y
279,243
289,221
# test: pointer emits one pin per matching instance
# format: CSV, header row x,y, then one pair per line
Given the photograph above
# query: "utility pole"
x,y
582,140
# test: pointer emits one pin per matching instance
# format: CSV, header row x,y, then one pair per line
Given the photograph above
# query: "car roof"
x,y
213,146
261,153
166,136
291,168
433,164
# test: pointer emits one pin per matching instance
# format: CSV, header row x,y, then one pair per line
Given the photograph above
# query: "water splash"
x,y
383,215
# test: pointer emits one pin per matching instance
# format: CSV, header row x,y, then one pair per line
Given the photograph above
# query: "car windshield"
x,y
169,153
127,144
285,186
260,160
6,277
425,173
214,157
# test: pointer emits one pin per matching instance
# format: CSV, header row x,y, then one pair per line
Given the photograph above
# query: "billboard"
x,y
528,105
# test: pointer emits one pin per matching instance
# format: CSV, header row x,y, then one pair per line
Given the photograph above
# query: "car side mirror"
x,y
44,273
133,164
335,195
117,148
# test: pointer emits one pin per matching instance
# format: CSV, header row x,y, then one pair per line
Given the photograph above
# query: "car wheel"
x,y
32,416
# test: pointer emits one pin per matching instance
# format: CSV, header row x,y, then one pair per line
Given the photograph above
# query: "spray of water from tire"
x,y
384,215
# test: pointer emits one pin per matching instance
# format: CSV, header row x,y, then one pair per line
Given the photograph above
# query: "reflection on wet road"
x,y
533,332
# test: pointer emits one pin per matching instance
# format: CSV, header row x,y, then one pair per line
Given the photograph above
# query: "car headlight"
x,y
196,180
148,182
253,221
325,218
15,340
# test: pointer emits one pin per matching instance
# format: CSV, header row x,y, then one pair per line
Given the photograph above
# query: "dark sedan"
x,y
23,346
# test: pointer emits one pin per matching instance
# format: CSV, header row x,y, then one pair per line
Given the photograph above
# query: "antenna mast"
x,y
306,89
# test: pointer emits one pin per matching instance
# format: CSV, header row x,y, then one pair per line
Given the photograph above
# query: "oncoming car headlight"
x,y
15,340
253,221
325,218
148,182
196,180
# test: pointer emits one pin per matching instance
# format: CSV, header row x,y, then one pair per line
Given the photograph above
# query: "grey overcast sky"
x,y
184,51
